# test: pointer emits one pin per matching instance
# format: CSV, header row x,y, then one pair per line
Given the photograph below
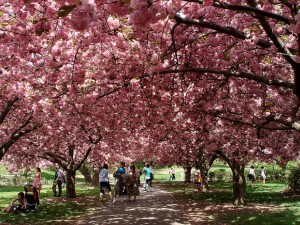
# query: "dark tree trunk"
x,y
238,179
70,166
239,184
187,174
25,173
71,172
203,171
296,68
95,178
70,186
86,173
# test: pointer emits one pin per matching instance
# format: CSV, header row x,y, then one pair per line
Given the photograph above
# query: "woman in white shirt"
x,y
263,174
104,182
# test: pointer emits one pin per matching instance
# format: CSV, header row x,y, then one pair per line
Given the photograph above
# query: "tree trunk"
x,y
86,173
25,173
238,179
187,174
70,186
71,173
239,184
95,178
204,171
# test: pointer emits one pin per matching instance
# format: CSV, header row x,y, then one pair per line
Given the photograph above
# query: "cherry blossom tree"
x,y
243,55
234,63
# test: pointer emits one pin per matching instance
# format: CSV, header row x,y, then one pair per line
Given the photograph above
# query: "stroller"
x,y
32,198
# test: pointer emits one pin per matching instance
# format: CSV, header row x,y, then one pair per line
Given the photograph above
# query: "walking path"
x,y
157,207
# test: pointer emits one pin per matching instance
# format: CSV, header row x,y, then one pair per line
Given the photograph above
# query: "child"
x,y
197,178
263,174
251,175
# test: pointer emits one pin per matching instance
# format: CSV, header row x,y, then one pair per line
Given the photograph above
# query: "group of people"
x,y
126,181
252,176
59,180
19,203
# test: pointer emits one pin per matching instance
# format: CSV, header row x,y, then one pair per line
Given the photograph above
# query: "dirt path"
x,y
157,207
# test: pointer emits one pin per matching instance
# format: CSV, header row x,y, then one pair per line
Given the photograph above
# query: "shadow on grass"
x,y
51,210
267,204
284,217
46,215
14,189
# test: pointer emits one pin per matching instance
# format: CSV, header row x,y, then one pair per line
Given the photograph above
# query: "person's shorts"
x,y
104,185
251,177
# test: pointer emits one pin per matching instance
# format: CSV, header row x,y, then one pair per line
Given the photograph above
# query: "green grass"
x,y
271,195
162,174
51,210
3,170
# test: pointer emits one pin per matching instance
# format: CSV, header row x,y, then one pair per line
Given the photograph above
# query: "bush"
x,y
294,180
211,175
220,175
277,174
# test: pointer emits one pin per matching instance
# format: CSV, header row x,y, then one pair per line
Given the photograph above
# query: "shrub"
x,y
294,180
277,174
211,175
222,175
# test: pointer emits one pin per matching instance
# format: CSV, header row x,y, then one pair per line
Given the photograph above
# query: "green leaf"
x,y
65,10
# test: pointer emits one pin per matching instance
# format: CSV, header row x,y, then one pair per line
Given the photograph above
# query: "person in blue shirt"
x,y
147,172
119,179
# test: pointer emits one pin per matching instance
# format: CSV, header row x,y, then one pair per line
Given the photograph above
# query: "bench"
x,y
13,179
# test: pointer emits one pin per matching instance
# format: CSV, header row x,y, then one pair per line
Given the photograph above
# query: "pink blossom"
x,y
208,2
83,15
297,58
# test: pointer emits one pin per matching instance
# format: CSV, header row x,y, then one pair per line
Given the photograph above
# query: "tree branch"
x,y
8,106
268,29
226,30
288,125
16,135
247,9
249,76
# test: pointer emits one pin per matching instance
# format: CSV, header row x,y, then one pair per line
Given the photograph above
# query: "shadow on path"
x,y
157,207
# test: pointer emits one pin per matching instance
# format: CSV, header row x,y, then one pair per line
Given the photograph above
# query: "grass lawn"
x,y
267,204
52,210
162,174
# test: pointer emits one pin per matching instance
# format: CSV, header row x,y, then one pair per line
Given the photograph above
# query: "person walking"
x,y
104,182
147,172
170,173
132,184
59,178
152,173
251,175
118,190
173,173
263,174
197,178
37,180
